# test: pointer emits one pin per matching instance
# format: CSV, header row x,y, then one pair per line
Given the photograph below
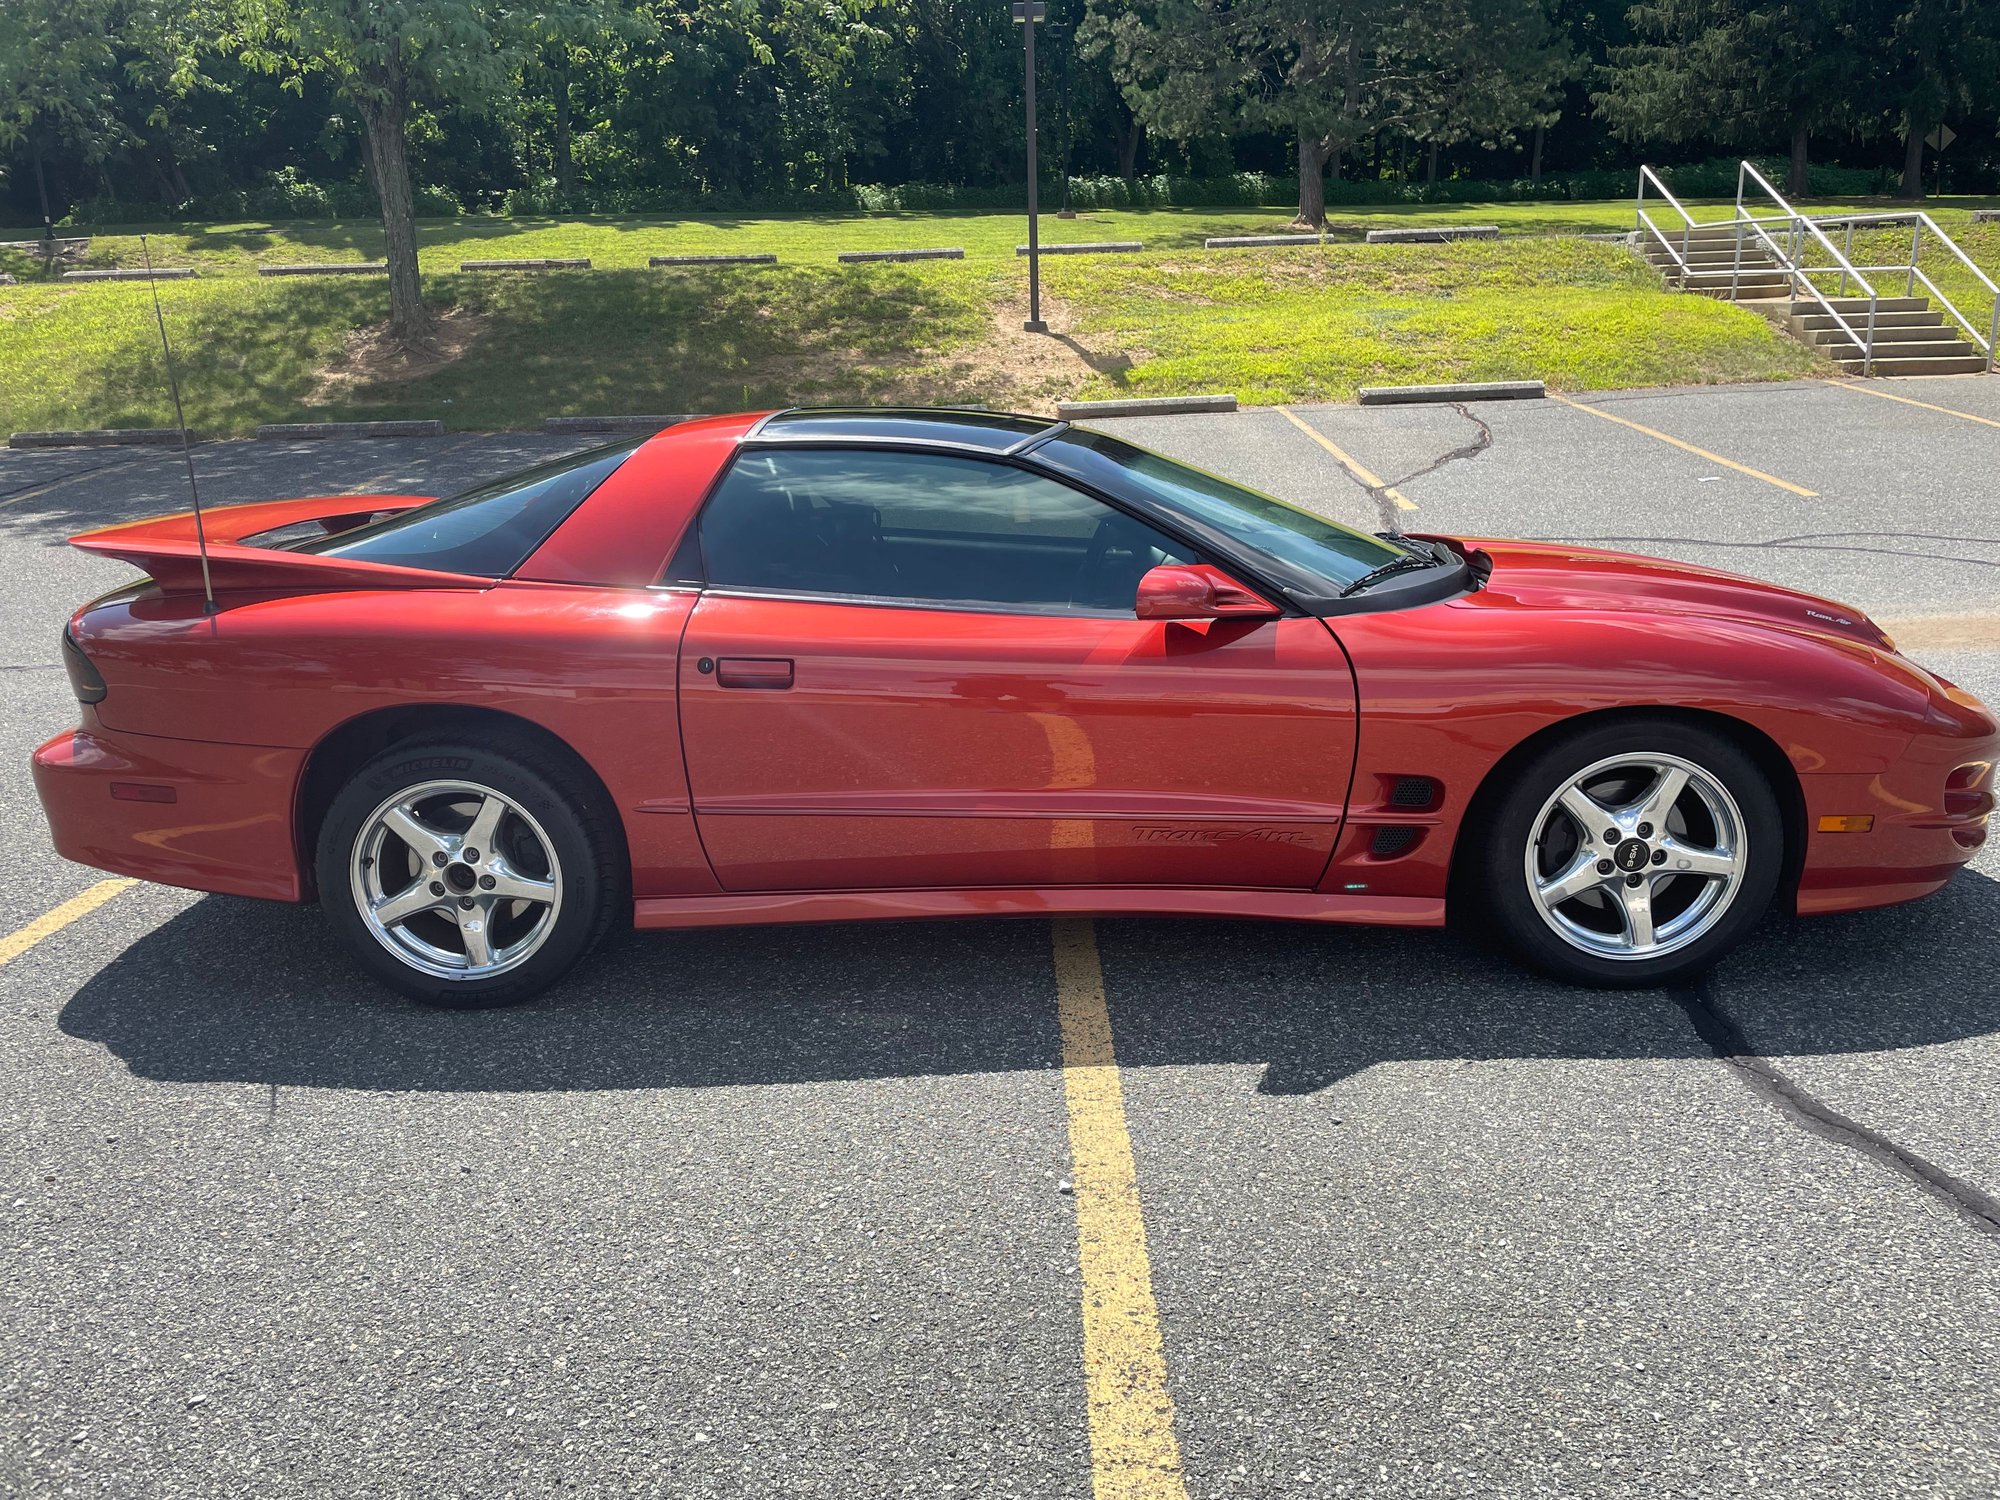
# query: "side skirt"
x,y
1028,901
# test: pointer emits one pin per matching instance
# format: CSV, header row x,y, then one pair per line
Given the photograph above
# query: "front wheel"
x,y
1631,854
465,875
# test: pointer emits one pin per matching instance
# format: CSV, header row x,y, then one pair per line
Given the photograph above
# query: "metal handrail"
x,y
1921,221
1797,275
1680,257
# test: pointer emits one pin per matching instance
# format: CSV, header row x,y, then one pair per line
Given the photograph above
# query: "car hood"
x,y
1543,575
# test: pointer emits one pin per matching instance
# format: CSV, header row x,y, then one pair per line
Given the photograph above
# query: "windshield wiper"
x,y
1404,564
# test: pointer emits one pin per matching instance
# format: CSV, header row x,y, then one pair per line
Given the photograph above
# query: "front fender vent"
x,y
1415,793
1392,841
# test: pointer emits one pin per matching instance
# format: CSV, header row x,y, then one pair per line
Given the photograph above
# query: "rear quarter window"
x,y
488,531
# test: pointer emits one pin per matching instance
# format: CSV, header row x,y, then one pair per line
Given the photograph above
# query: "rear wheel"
x,y
1633,853
464,875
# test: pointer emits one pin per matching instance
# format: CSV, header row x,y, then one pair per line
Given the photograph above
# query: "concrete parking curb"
x,y
414,428
95,437
1477,390
1145,406
1436,235
612,424
1258,241
579,263
161,273
328,268
949,253
766,259
1095,247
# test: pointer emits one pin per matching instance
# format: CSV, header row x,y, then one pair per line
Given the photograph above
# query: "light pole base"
x,y
1035,325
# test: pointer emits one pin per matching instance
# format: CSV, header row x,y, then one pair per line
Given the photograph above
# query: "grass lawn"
x,y
621,242
1314,325
1300,323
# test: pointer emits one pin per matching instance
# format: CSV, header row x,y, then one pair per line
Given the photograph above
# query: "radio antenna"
x,y
180,420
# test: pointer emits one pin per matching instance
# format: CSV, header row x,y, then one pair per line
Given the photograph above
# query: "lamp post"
x,y
1026,14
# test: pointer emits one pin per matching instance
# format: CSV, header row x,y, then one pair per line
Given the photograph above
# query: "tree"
x,y
61,69
388,57
1932,57
1474,70
1306,67
1745,73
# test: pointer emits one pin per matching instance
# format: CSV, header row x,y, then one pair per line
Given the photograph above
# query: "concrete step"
x,y
1924,364
1807,321
1847,305
1705,253
1914,338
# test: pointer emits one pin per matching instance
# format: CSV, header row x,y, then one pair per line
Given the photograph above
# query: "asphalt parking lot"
x,y
789,1211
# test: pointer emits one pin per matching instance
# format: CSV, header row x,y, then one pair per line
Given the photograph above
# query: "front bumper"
x,y
228,826
1925,824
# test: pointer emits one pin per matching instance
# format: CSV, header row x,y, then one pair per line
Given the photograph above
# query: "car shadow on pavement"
x,y
240,991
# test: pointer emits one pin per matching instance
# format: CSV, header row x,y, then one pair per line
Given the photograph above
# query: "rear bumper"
x,y
228,826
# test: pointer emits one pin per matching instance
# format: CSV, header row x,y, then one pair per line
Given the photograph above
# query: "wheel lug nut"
x,y
465,902
1632,880
1610,835
437,887
1605,867
470,856
1659,856
439,859
1645,830
487,882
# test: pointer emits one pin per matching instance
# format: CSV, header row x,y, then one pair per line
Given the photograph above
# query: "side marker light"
x,y
1860,823
142,791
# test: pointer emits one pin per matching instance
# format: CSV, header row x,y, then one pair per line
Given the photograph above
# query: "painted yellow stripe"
x,y
1949,411
1360,471
1715,458
1133,1452
15,944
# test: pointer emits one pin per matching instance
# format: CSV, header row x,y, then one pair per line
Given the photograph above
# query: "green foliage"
x,y
1314,325
1291,324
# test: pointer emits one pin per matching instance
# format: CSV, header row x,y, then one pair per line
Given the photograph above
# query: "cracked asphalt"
x,y
781,1211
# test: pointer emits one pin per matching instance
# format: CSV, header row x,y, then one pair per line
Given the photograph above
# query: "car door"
x,y
917,669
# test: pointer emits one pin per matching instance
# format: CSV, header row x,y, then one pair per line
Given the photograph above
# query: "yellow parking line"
x,y
1714,458
15,944
1133,1452
1367,476
1866,390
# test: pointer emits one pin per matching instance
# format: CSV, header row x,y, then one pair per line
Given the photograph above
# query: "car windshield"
x,y
1323,555
487,531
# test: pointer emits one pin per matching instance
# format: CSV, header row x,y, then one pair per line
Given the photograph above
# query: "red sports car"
x,y
831,665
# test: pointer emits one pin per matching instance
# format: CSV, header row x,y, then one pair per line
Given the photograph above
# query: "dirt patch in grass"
x,y
372,359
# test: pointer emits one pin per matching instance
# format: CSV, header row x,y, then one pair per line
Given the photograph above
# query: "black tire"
x,y
1494,888
575,832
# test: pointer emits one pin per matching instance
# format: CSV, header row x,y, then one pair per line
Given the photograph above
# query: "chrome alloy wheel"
x,y
456,880
1637,856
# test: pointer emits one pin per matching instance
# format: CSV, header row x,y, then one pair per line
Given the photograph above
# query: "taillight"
x,y
84,680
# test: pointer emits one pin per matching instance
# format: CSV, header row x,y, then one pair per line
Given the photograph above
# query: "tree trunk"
x,y
1312,181
1796,184
1535,157
565,165
1128,150
383,115
1913,161
1431,166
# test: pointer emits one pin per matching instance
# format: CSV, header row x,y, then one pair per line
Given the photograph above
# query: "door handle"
x,y
753,672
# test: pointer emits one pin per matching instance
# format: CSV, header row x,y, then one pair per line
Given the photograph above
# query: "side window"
x,y
922,526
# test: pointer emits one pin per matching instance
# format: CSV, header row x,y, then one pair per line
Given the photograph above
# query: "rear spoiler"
x,y
166,548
